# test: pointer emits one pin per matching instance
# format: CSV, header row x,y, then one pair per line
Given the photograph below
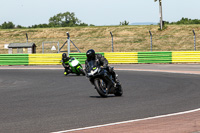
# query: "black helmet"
x,y
90,54
64,55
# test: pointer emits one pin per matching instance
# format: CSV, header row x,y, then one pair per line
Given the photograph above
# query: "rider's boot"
x,y
65,73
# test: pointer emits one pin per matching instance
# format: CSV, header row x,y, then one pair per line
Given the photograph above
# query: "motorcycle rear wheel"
x,y
81,71
100,86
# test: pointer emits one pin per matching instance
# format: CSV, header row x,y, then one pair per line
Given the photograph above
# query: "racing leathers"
x,y
65,63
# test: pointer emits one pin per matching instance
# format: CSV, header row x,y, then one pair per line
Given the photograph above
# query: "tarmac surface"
x,y
41,99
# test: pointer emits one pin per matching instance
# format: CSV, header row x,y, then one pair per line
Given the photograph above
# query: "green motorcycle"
x,y
76,67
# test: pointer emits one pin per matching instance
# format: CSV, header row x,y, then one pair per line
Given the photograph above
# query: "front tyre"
x,y
101,88
119,90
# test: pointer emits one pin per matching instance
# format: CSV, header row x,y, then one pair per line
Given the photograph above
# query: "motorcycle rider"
x,y
65,63
102,61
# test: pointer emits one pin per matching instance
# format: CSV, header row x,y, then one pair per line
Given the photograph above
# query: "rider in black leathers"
x,y
102,61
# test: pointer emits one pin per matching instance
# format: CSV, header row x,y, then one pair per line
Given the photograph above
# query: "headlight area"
x,y
92,72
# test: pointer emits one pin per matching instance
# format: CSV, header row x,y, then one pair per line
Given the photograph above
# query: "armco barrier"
x,y
45,59
185,57
81,56
154,57
113,58
13,59
122,57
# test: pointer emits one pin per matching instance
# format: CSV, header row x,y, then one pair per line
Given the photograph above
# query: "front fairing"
x,y
93,68
95,71
74,64
92,64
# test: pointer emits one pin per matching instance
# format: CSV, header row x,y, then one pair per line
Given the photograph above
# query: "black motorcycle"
x,y
103,80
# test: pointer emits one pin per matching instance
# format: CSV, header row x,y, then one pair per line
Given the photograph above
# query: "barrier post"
x,y
58,47
194,40
112,41
43,47
68,43
26,38
150,38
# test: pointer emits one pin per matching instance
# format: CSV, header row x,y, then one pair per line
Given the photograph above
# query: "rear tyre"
x,y
78,74
119,90
101,88
81,71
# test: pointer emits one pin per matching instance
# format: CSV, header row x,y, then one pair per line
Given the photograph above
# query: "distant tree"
x,y
83,24
40,26
55,21
187,21
19,26
8,25
124,23
66,19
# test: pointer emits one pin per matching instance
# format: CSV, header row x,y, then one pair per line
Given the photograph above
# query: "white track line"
x,y
123,122
164,71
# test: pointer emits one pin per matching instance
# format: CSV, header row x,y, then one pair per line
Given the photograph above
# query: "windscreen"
x,y
92,64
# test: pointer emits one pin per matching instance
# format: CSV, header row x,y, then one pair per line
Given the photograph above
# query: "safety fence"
x,y
112,57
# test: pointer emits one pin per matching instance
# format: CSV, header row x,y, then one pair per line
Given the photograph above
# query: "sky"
x,y
97,12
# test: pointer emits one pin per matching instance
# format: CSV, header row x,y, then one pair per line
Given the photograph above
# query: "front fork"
x,y
110,82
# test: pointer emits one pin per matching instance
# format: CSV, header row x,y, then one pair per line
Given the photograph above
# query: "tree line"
x,y
66,19
185,21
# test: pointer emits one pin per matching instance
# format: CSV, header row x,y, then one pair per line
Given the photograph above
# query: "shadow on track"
x,y
102,97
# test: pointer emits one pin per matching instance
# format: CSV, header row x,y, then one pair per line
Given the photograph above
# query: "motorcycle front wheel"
x,y
119,90
101,88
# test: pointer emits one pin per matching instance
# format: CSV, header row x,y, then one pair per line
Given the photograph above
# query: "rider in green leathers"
x,y
65,63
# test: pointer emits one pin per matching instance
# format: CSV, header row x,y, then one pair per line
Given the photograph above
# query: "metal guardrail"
x,y
81,56
186,57
121,57
113,58
45,59
154,57
14,59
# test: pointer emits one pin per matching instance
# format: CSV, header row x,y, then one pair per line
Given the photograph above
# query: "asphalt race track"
x,y
47,101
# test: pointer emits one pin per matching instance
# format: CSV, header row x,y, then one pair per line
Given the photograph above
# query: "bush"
x,y
8,25
187,21
124,23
